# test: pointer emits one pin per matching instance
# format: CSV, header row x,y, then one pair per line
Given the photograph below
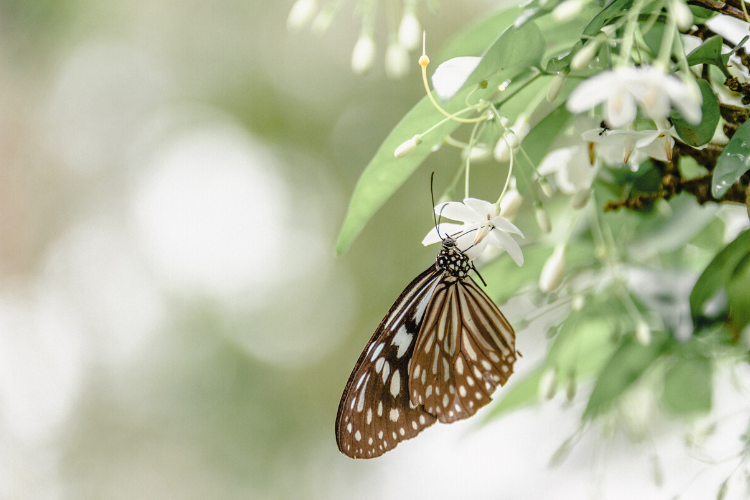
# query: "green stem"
x,y
629,38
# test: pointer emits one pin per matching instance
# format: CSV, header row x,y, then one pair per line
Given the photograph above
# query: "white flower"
x,y
450,76
410,31
363,54
300,14
571,166
629,147
619,90
481,226
567,10
396,61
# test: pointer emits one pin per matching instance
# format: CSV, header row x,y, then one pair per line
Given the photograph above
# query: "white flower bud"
x,y
556,85
553,270
410,31
571,387
408,146
543,220
502,151
300,14
548,384
478,154
580,198
583,57
504,121
683,16
510,203
396,61
578,302
512,139
363,54
323,21
643,333
546,188
567,10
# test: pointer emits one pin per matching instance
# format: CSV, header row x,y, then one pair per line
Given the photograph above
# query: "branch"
x,y
720,7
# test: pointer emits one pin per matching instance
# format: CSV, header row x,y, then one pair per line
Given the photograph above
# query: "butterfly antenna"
x,y
432,196
476,271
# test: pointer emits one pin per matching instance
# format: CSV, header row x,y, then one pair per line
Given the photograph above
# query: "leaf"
x,y
688,386
698,135
709,52
733,162
385,173
717,274
477,37
522,392
738,291
610,11
628,363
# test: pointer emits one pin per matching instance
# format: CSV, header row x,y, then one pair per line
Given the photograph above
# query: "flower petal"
x,y
621,110
450,76
457,211
590,92
503,224
437,234
470,250
483,208
503,240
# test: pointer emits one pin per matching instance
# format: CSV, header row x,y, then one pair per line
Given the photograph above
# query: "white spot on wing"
x,y
379,365
402,340
393,415
386,371
377,351
396,383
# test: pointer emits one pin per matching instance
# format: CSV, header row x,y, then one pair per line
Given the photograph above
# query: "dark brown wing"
x,y
465,349
375,412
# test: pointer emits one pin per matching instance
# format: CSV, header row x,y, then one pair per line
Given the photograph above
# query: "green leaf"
x,y
385,173
717,274
733,162
628,363
738,292
609,12
522,392
710,53
505,278
698,135
688,386
476,38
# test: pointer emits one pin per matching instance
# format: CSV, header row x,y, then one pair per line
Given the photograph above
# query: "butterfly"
x,y
438,355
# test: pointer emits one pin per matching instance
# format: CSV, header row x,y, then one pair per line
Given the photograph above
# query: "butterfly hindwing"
x,y
375,412
465,349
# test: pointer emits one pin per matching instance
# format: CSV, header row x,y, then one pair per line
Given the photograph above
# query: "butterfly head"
x,y
452,260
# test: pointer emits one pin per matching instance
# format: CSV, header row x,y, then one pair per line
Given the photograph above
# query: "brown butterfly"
x,y
439,354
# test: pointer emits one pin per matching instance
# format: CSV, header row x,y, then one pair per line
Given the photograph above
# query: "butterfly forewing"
x,y
375,412
465,349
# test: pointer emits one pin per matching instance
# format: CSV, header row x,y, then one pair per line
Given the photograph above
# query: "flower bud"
x,y
323,21
683,16
546,188
567,10
396,61
510,203
643,333
557,84
543,220
580,199
512,139
502,151
478,154
585,54
504,121
571,387
408,146
300,14
410,31
578,302
363,54
553,270
548,384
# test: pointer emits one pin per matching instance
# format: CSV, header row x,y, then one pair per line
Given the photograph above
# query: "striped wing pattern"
x,y
465,349
375,412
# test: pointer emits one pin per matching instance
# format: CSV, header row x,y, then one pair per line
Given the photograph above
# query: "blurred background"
x,y
173,320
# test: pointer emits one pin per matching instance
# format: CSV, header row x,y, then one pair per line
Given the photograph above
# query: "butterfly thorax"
x,y
451,260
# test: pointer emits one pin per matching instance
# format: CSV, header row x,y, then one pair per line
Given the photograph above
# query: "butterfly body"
x,y
438,354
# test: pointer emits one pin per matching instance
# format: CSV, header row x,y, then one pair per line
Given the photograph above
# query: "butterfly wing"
x,y
465,349
375,412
